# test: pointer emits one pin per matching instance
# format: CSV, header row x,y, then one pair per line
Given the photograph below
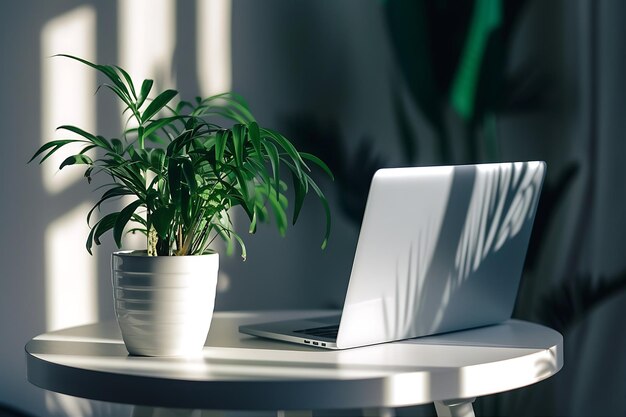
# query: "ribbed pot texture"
x,y
164,304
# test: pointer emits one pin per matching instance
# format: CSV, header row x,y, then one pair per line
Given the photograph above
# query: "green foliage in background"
x,y
185,172
453,55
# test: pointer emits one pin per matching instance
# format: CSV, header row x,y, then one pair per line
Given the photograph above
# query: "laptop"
x,y
440,249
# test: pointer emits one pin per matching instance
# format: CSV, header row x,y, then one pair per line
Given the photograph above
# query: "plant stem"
x,y
179,240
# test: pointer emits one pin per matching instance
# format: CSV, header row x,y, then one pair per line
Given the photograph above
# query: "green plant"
x,y
185,171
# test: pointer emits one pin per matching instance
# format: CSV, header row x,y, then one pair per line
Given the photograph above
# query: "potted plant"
x,y
185,173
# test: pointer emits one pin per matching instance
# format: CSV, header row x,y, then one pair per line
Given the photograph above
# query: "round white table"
x,y
241,372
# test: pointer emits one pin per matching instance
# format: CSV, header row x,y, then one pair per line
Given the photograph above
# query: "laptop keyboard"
x,y
329,332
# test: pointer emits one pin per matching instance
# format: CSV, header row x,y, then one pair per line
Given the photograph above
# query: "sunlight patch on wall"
x,y
213,23
65,405
147,39
214,69
67,88
71,290
61,404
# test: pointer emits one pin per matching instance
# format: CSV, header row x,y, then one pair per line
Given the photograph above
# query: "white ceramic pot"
x,y
164,304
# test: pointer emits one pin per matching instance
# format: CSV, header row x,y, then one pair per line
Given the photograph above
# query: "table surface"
x,y
241,372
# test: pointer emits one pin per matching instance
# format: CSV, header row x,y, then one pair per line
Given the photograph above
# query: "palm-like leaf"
x,y
197,171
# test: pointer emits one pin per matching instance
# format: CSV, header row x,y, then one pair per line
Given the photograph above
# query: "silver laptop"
x,y
440,249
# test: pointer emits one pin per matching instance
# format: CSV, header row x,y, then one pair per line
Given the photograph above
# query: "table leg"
x,y
455,408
